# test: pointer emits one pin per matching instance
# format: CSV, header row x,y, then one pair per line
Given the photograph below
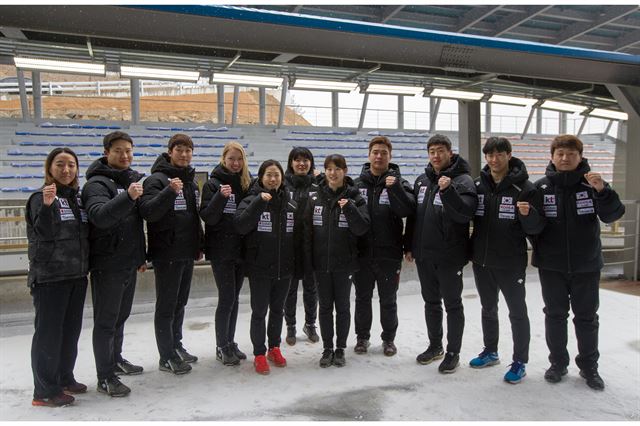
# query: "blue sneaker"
x,y
485,359
515,373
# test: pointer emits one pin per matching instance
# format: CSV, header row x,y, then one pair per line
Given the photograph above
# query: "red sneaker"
x,y
260,363
60,400
274,355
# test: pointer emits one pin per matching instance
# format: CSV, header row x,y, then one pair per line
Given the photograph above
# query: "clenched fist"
x,y
265,196
49,194
390,180
135,190
225,190
523,208
595,180
444,182
342,202
176,185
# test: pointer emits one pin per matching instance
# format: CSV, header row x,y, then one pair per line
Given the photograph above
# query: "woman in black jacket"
x,y
299,181
226,187
58,233
334,219
266,217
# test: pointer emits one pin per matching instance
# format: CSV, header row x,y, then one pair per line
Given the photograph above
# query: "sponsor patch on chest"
x,y
480,209
421,193
290,221
317,215
230,207
180,202
384,197
265,224
550,208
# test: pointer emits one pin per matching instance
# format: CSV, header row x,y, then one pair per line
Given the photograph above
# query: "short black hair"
x,y
297,152
439,139
110,138
336,159
180,139
269,163
496,144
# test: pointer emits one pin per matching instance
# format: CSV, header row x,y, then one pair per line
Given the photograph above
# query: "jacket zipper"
x,y
488,217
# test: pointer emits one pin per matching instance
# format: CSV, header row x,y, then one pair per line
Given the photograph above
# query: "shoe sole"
x,y
177,373
290,342
49,404
339,365
189,361
113,395
228,364
515,382
122,373
276,364
553,379
263,373
360,351
453,370
488,364
599,388
435,358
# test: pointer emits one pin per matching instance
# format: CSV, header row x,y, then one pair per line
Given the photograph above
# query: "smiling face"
x,y
64,168
180,156
498,162
335,176
301,166
439,157
272,178
120,154
379,157
233,161
566,159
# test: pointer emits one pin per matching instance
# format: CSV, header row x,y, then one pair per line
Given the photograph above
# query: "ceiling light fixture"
x,y
66,67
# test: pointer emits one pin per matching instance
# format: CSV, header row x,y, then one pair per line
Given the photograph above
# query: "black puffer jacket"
x,y
269,228
173,224
58,237
387,207
222,242
300,188
331,233
499,230
116,227
439,231
570,240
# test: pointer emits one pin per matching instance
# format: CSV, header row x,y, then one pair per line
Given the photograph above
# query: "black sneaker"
x,y
327,358
389,348
554,373
361,346
185,356
594,381
291,335
237,351
227,356
113,387
338,358
310,331
450,363
124,367
431,354
175,366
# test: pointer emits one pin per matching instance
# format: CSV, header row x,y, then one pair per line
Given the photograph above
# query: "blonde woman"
x,y
228,184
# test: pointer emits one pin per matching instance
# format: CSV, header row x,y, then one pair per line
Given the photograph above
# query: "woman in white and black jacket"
x,y
58,234
334,219
266,218
227,186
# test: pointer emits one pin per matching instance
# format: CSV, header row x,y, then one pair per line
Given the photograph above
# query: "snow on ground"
x,y
370,387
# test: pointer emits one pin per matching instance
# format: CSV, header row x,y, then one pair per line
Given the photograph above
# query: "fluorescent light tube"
x,y
59,66
246,80
394,90
324,85
512,100
158,74
456,94
562,106
608,113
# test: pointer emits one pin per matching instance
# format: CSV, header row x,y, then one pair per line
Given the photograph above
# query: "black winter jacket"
x,y
386,207
499,230
439,231
116,227
173,224
269,228
331,233
299,188
222,241
570,240
58,237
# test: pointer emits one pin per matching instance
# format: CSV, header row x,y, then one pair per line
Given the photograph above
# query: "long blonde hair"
x,y
245,179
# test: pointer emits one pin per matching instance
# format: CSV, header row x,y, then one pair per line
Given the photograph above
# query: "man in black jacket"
x,y
438,237
389,198
170,205
568,255
508,210
117,253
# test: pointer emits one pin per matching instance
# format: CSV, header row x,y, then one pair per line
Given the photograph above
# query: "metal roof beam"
x,y
513,20
610,14
627,40
295,9
11,32
473,16
388,12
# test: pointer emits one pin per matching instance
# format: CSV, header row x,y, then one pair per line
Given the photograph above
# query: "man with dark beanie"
x,y
438,239
170,205
111,197
568,254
